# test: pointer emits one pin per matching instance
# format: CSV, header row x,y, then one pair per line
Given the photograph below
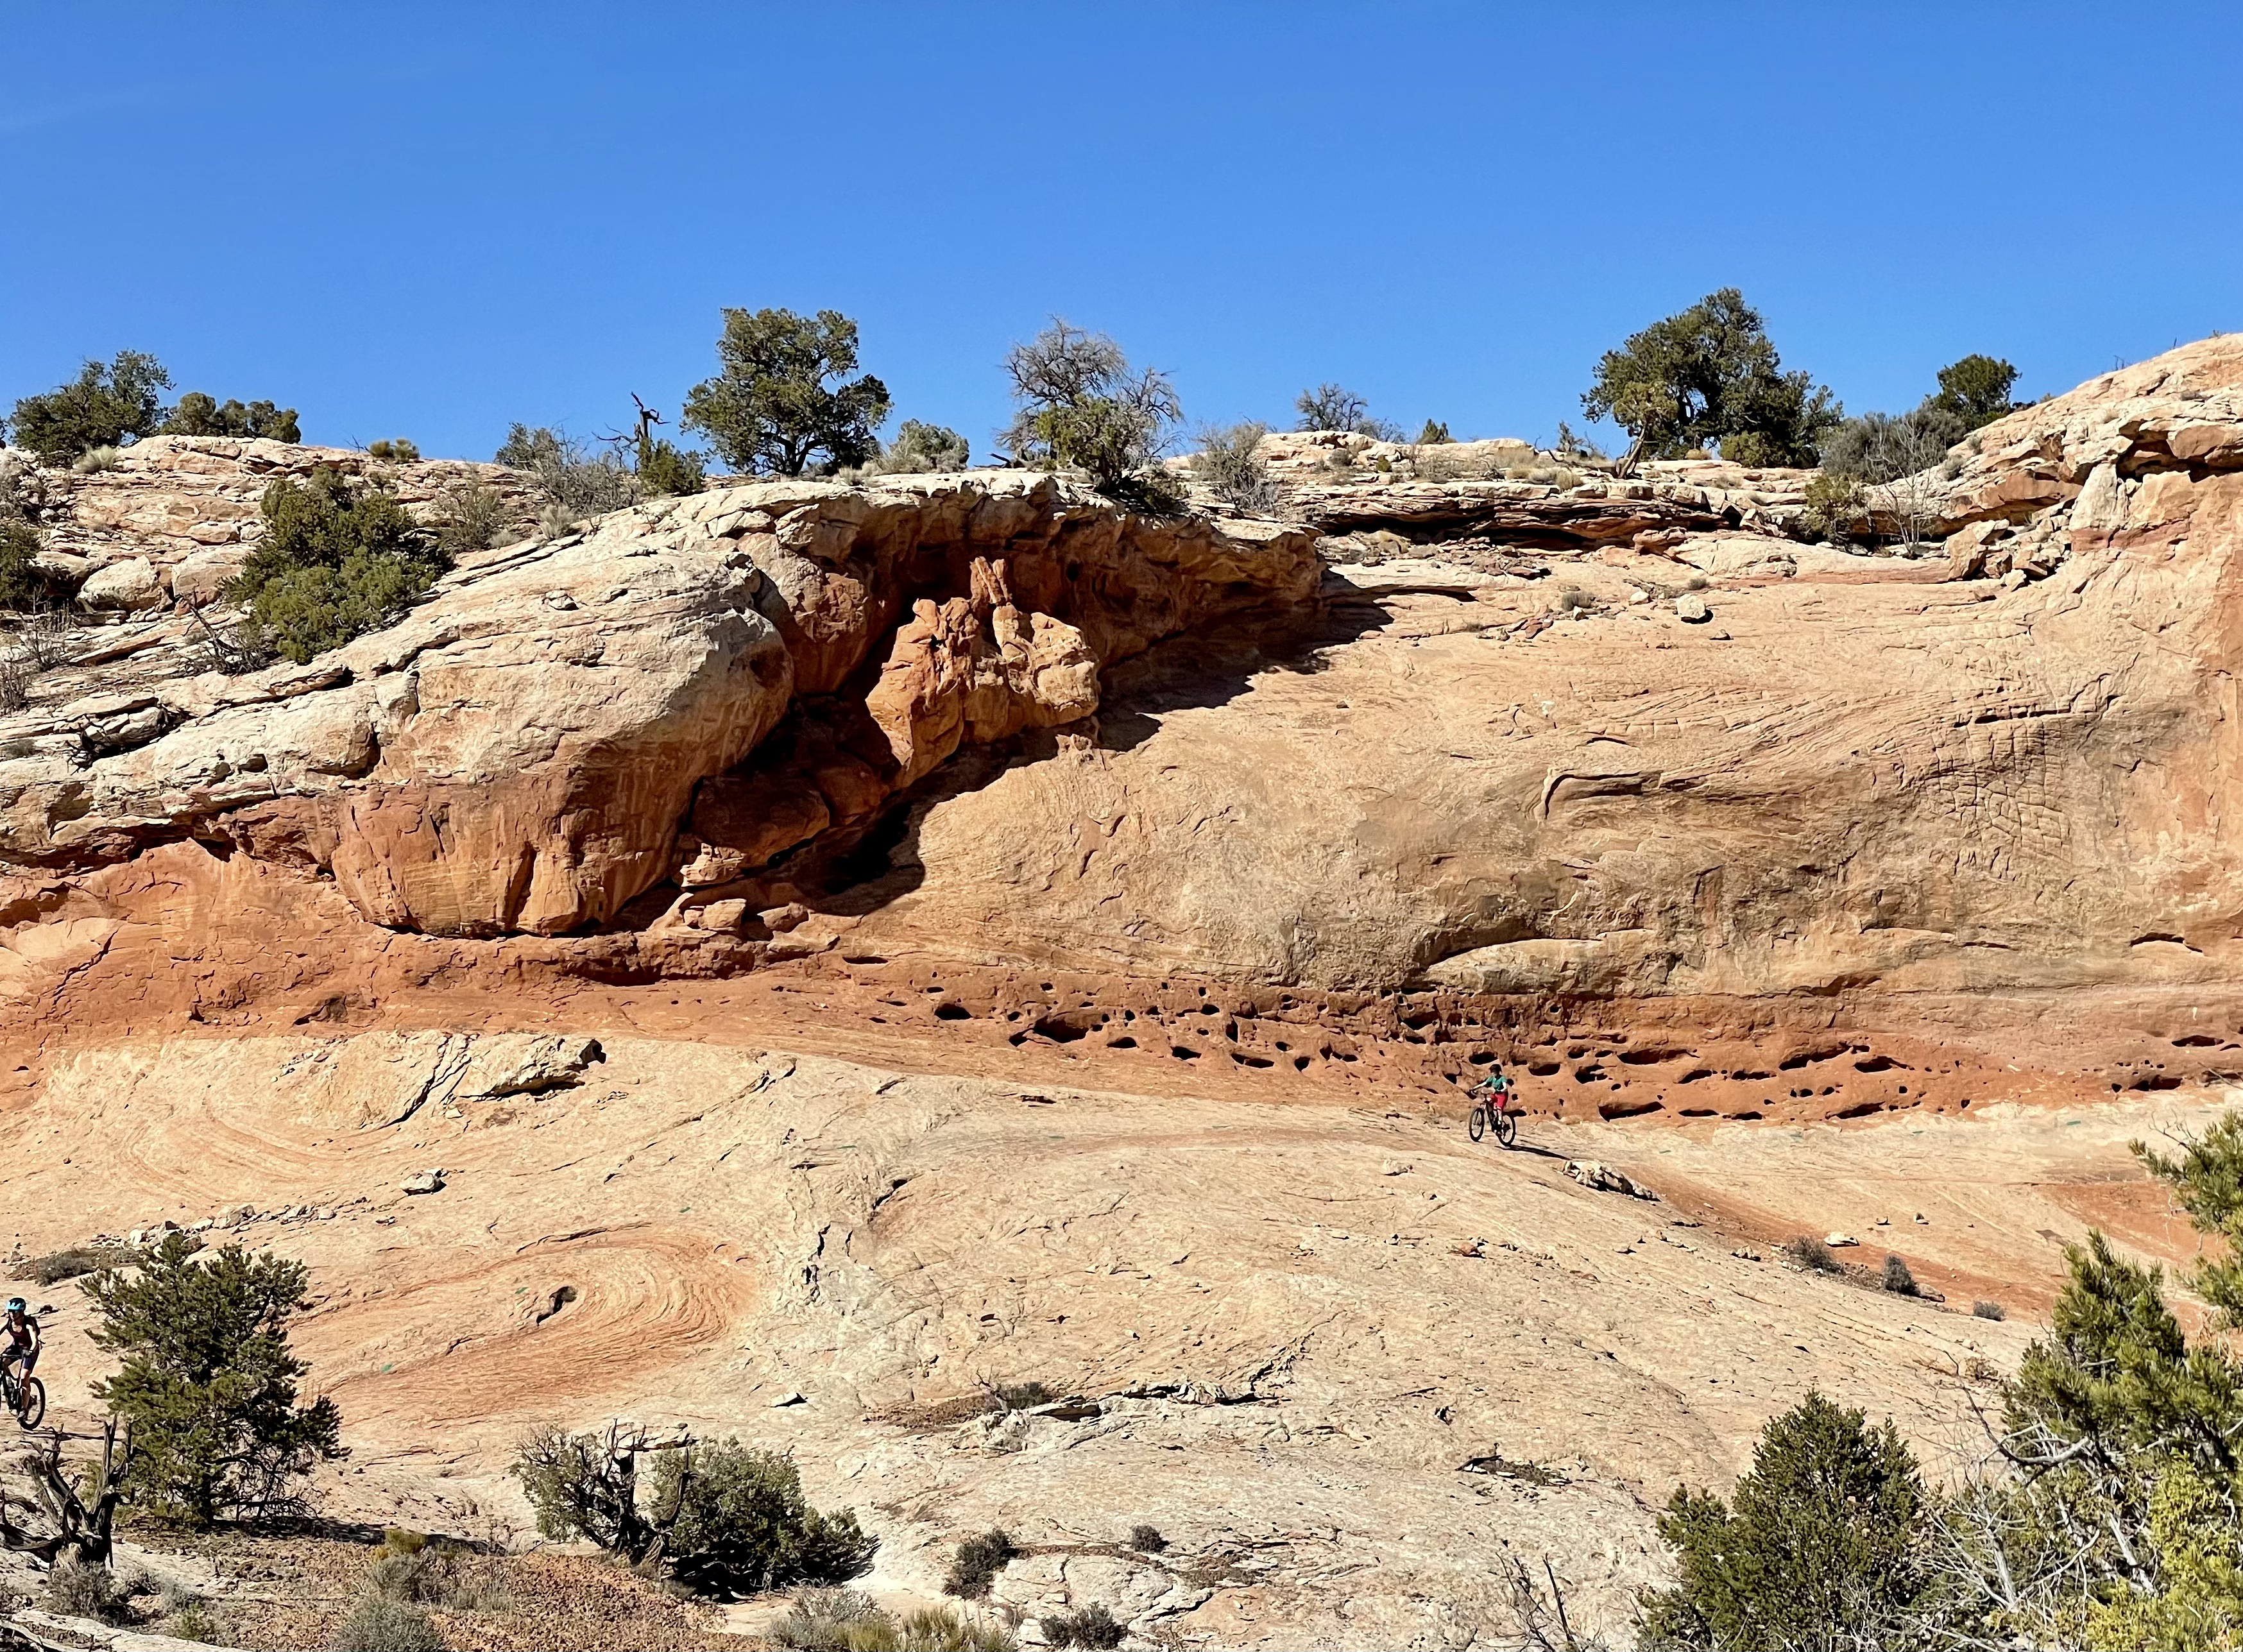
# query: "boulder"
x,y
198,578
130,586
1692,609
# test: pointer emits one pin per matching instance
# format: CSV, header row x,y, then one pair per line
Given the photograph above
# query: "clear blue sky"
x,y
431,220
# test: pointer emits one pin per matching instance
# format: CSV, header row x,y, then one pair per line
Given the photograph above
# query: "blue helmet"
x,y
16,1305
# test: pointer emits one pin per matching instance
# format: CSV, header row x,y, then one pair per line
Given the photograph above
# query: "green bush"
x,y
1434,432
577,482
664,470
1821,1544
738,1523
1147,1540
1709,373
94,461
76,1262
1881,446
334,563
208,1383
376,1625
106,406
1975,391
769,409
1989,1311
1898,1279
1230,462
919,450
396,450
978,1561
1078,406
20,585
201,416
1837,506
191,1621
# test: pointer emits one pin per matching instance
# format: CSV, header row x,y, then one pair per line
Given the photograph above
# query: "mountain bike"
x,y
25,1396
1494,1112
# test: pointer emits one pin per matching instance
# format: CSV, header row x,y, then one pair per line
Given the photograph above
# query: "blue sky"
x,y
429,221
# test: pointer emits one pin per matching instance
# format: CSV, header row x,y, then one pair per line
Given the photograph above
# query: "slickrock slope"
x,y
1345,1362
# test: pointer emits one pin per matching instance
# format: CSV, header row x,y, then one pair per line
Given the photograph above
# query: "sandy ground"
x,y
1341,1356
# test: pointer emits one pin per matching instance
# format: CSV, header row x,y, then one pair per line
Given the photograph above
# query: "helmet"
x,y
16,1305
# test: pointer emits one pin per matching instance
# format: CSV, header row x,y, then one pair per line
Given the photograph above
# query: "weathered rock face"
x,y
171,500
1874,798
517,755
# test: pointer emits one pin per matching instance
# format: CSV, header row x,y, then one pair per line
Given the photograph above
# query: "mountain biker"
x,y
20,1338
1493,1088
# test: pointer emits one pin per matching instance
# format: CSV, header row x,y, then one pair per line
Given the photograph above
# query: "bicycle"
x,y
1494,1110
26,1396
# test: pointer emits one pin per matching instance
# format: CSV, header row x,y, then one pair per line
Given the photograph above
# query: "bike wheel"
x,y
1476,1122
1506,1128
31,1403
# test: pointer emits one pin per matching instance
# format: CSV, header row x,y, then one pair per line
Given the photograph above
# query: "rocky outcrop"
x,y
517,755
187,506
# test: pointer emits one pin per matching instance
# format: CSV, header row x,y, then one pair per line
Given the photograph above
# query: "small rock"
x,y
426,1182
792,1397
1884,1221
1924,1220
1691,609
1839,1241
1395,1166
1746,1253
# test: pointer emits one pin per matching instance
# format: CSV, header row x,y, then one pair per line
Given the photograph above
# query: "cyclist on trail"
x,y
20,1339
1495,1089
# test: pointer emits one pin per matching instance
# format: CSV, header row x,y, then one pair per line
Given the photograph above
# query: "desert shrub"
x,y
576,481
1331,407
1023,1396
106,406
190,1620
1572,445
1813,1255
76,1263
19,580
665,471
977,1561
334,563
826,1621
208,1382
1574,600
1821,1544
1710,374
394,450
202,415
770,410
738,1522
17,676
1080,407
378,1625
1837,506
469,516
1696,581
1898,1279
1881,446
1434,432
95,459
1147,1540
1989,1311
80,1588
1230,462
408,1568
844,1621
919,450
1093,1626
